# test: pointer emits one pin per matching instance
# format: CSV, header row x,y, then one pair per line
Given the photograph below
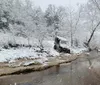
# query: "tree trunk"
x,y
88,42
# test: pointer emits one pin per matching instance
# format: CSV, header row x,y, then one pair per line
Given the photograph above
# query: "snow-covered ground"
x,y
78,50
11,54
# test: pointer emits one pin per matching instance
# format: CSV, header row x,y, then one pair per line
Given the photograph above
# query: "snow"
x,y
11,54
53,52
12,61
62,38
78,50
29,63
49,46
14,64
87,54
3,19
36,61
98,50
63,45
10,38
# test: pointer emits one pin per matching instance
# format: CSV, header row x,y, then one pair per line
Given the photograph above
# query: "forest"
x,y
56,46
22,23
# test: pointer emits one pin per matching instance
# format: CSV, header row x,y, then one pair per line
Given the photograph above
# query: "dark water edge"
x,y
83,71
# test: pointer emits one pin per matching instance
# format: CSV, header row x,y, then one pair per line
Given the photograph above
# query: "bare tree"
x,y
74,20
54,18
93,20
91,36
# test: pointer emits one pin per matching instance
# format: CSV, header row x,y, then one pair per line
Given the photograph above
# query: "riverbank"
x,y
84,70
6,70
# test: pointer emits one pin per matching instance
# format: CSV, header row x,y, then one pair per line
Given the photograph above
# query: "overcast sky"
x,y
44,3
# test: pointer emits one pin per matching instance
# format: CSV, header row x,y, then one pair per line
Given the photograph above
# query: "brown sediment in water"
x,y
4,71
79,71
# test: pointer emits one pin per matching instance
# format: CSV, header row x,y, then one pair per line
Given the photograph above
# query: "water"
x,y
83,71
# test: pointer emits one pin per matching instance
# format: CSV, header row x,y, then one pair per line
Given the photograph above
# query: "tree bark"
x,y
88,42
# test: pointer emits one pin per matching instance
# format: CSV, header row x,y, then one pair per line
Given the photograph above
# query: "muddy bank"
x,y
4,71
82,71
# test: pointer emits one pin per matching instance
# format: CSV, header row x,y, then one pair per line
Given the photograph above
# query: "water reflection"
x,y
76,73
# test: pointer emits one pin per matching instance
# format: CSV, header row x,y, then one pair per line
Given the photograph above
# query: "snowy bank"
x,y
9,55
78,50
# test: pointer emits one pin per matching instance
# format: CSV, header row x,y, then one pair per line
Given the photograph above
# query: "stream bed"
x,y
83,71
